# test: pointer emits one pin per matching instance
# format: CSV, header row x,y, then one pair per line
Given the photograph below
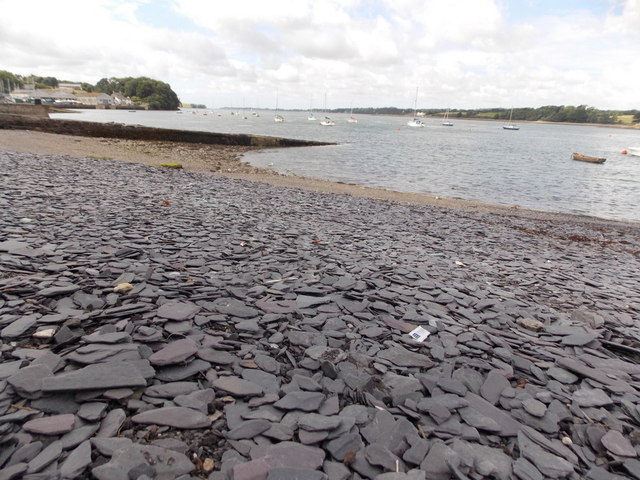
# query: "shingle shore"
x,y
170,324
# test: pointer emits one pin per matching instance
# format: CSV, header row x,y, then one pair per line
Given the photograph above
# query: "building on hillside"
x,y
44,96
95,98
119,99
70,86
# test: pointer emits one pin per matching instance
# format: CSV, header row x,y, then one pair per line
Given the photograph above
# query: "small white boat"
x,y
327,122
415,122
277,118
311,117
634,151
446,121
351,118
510,126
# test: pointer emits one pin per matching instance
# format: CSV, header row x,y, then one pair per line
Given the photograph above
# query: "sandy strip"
x,y
226,161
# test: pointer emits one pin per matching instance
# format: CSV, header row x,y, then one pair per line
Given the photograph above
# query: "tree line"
x,y
548,113
156,95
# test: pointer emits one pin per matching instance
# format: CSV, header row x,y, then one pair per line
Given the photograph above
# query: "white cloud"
x,y
467,53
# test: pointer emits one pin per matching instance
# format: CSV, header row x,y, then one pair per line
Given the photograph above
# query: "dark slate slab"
x,y
178,417
52,425
237,387
174,352
99,376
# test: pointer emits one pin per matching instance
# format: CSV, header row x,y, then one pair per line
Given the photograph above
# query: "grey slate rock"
x,y
402,357
292,473
237,387
99,376
547,463
178,417
28,380
77,461
493,386
178,311
111,423
305,401
13,472
341,446
248,429
45,457
18,327
594,397
52,425
166,464
314,422
618,444
174,352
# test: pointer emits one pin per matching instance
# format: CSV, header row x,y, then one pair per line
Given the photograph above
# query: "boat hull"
x,y
634,151
586,158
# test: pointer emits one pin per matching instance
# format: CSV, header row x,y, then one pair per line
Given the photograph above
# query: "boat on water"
x,y
586,158
634,151
351,118
445,121
311,117
415,122
327,122
510,125
277,118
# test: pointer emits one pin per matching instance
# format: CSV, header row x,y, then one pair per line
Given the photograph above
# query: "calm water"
x,y
472,160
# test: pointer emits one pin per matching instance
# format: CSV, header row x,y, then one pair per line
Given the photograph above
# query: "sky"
x,y
339,53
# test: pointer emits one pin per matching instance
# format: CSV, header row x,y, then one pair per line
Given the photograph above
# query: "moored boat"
x,y
586,158
633,151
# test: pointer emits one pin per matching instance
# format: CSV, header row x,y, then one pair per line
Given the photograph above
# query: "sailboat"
x,y
511,126
415,122
446,121
311,117
278,118
327,122
351,118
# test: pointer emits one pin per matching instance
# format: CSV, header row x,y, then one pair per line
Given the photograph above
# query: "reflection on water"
x,y
473,160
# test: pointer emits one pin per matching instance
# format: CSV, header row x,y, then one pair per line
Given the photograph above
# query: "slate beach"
x,y
265,333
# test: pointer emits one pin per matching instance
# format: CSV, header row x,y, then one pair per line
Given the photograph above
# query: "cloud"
x,y
468,53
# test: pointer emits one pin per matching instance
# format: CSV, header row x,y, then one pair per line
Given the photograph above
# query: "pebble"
x,y
263,332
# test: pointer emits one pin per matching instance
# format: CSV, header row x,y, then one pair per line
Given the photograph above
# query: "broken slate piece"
x,y
97,376
174,352
53,425
178,311
237,387
618,444
298,400
178,417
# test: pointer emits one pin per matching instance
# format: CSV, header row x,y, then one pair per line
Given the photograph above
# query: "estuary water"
x,y
472,160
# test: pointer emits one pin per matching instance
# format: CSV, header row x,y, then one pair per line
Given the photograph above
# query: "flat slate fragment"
x,y
178,417
174,352
52,425
97,376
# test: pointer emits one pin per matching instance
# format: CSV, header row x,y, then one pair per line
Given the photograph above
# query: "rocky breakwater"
x,y
138,132
175,325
